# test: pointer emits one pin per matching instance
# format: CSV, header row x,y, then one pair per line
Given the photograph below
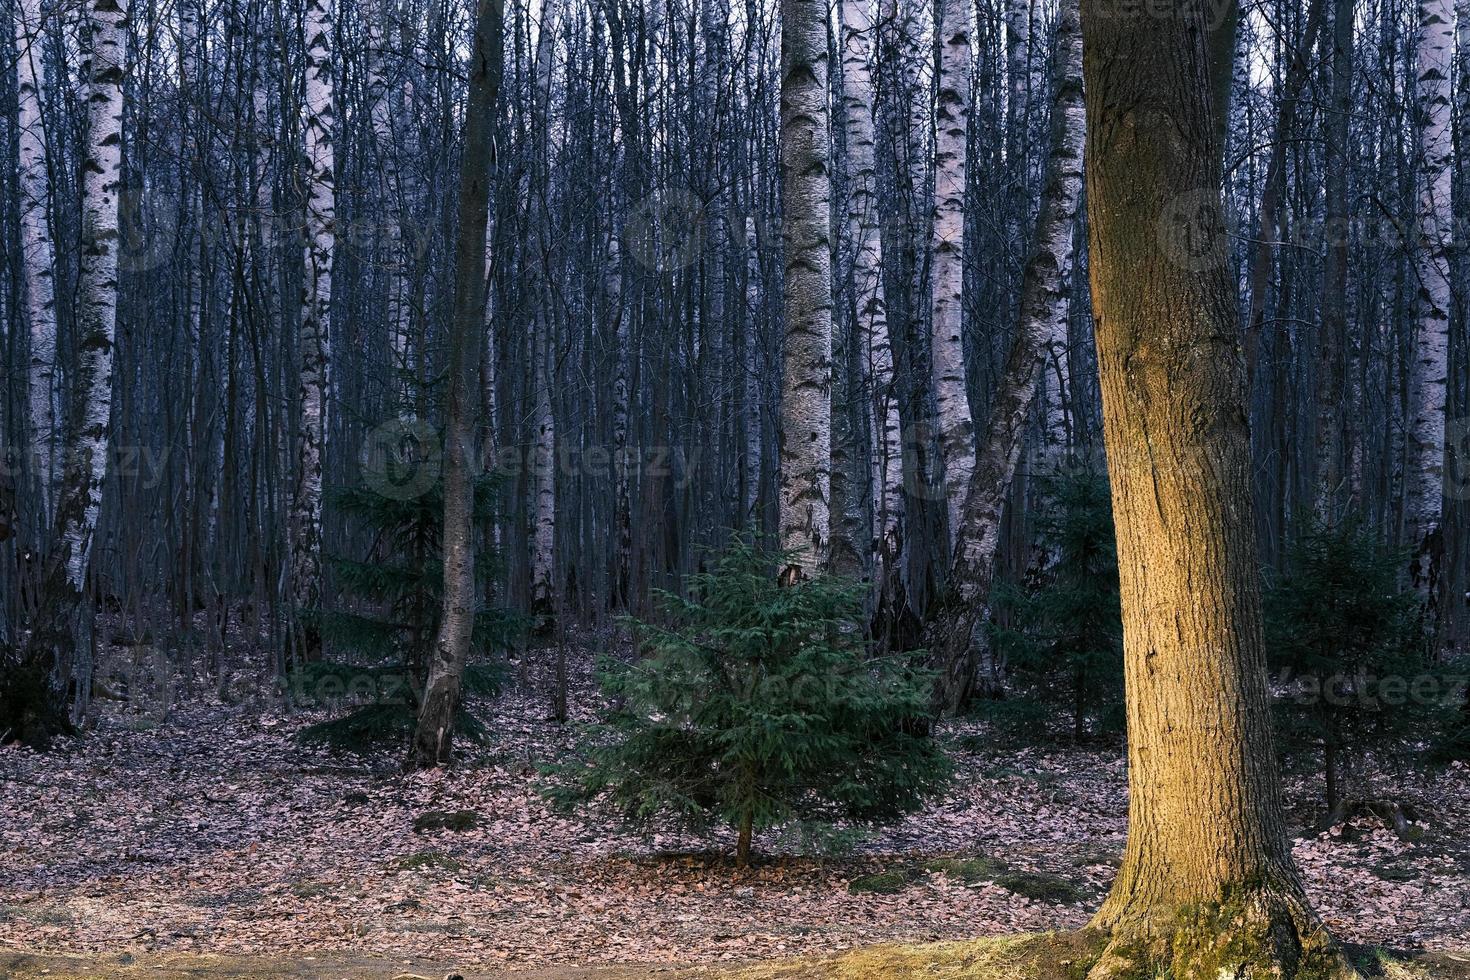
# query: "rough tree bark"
x,y
1207,887
316,307
37,256
953,631
947,255
61,637
806,417
434,733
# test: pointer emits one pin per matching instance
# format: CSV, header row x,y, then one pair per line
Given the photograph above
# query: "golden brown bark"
x,y
1207,887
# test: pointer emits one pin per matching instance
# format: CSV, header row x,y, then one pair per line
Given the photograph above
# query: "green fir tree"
x,y
759,707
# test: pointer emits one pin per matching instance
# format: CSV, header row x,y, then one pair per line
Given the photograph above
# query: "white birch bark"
x,y
754,432
946,255
543,532
380,115
104,61
867,271
1434,55
806,412
543,529
321,214
1018,43
1041,330
37,254
622,359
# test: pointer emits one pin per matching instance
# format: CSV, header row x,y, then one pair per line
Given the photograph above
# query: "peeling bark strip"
x,y
37,255
316,307
806,416
947,255
1434,56
866,248
1042,327
433,735
1208,854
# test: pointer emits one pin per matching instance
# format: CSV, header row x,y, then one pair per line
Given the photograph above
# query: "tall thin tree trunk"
x,y
954,631
867,274
544,467
806,413
37,257
1332,372
434,733
1424,481
316,310
947,255
61,639
1207,883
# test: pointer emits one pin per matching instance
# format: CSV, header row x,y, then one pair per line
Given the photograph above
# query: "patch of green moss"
x,y
882,882
456,820
425,860
1046,956
971,871
1042,887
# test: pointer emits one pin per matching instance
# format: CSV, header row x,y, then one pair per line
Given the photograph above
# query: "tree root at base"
x,y
1256,936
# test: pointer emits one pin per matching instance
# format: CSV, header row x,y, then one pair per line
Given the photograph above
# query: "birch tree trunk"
x,y
1424,482
434,733
947,255
543,534
316,307
38,258
806,416
866,252
954,631
753,456
1332,344
1207,886
61,639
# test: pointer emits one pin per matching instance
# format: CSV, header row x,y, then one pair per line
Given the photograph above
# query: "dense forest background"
x,y
279,319
778,452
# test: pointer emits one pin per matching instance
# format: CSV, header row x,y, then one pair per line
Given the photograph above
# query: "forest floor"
x,y
170,837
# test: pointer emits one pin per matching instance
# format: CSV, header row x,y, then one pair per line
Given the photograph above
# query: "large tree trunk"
x,y
37,257
316,308
60,643
947,255
866,250
435,731
1207,886
806,416
953,635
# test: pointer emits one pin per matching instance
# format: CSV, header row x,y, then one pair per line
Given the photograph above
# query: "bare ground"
x,y
203,840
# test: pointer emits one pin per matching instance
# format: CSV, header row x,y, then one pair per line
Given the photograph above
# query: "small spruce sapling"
x,y
1064,638
759,707
1344,641
379,636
